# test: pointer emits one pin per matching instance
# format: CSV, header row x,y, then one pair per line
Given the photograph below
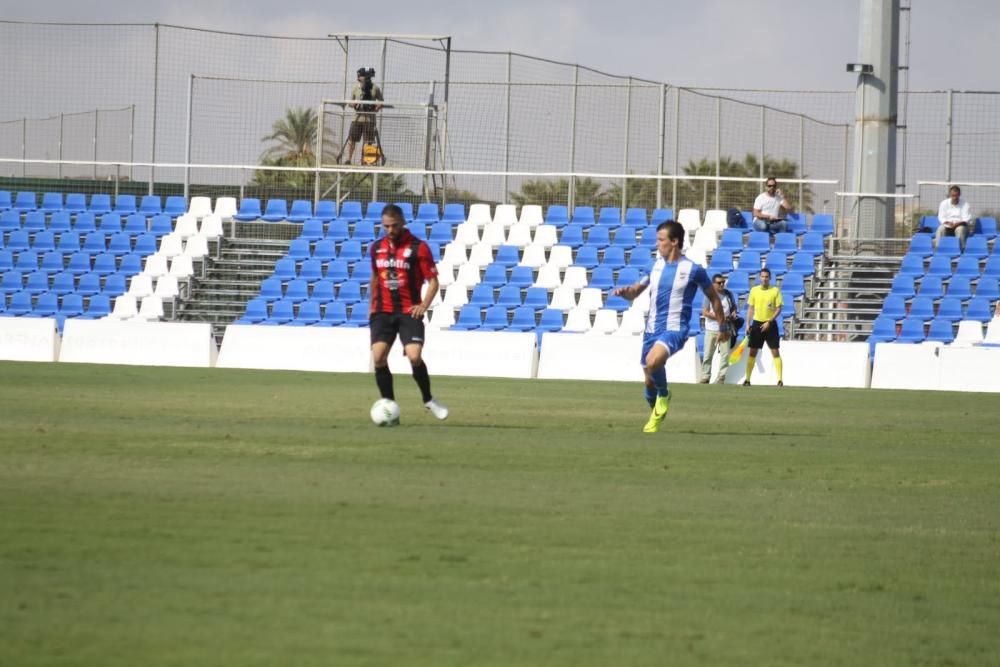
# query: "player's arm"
x,y
372,286
774,317
630,292
417,311
716,305
785,204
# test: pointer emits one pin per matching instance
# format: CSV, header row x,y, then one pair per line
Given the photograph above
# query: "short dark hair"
x,y
770,178
675,231
393,211
955,188
718,276
766,270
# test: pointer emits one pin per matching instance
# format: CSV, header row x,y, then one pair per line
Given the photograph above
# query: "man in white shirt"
x,y
769,209
954,216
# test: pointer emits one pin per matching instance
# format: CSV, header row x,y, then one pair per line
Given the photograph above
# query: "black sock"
x,y
383,378
423,381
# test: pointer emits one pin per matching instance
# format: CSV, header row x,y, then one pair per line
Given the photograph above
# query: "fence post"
x,y
131,145
97,113
506,138
24,147
61,118
677,146
802,158
571,190
763,141
628,132
718,147
948,137
156,81
661,148
187,138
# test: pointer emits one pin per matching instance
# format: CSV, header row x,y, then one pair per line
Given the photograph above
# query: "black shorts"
x,y
359,128
758,337
385,326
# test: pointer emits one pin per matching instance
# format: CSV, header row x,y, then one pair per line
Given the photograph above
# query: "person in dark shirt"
x,y
401,264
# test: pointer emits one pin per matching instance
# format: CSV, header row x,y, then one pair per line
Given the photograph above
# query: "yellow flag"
x,y
737,352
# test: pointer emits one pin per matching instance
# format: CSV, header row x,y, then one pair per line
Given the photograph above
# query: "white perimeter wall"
x,y
486,354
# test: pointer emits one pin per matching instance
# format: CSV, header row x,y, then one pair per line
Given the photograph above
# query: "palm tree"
x,y
701,194
295,135
587,192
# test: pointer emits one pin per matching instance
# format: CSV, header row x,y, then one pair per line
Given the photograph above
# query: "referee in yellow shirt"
x,y
763,310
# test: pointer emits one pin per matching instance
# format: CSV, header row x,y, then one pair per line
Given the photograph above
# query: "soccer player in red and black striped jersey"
x,y
401,264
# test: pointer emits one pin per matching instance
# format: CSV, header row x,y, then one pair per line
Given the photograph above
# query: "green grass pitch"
x,y
209,517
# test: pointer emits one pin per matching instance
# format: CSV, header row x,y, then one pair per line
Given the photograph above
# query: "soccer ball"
x,y
385,412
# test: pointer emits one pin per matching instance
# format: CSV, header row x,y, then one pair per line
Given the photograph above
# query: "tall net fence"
x,y
541,130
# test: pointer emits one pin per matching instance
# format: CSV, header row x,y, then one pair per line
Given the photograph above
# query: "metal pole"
x,y
187,136
131,144
506,162
319,154
628,132
156,80
763,132
61,118
718,147
660,149
571,190
24,147
948,137
96,115
677,146
802,158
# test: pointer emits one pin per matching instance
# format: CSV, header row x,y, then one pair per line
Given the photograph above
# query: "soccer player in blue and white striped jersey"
x,y
672,280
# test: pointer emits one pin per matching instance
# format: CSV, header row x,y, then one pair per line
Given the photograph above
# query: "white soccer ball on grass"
x,y
385,412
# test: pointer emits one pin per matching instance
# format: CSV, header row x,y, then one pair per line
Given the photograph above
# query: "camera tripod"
x,y
371,146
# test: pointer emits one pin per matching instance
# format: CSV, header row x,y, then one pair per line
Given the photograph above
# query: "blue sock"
x,y
650,396
660,380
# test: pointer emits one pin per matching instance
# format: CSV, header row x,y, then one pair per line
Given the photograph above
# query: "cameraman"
x,y
363,124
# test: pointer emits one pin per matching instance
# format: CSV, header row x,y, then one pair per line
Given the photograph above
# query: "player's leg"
x,y
774,343
650,387
353,134
755,343
656,369
962,232
711,340
383,334
411,333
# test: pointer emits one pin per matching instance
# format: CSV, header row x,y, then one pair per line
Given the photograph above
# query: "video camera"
x,y
366,85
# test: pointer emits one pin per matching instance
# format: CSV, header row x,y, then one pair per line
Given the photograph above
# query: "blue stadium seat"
x,y
52,202
912,265
640,258
125,204
976,246
495,319
732,240
312,229
130,265
941,330
572,235
364,231
822,223
777,262
300,211
34,221
297,290
988,288
721,262
931,286
738,282
350,211
599,237
750,260
44,241
921,245
940,265
362,271
494,276
557,215
647,238
71,306
349,292
111,223
453,214
636,217
373,212
586,257
249,210
323,291
175,205
337,271
99,204
47,305
120,244
161,225
813,243
912,331
282,312
482,296
623,237
922,307
522,276
617,303
796,224
299,249
509,296
60,221
311,270
338,231
536,298
583,215
20,304
27,261
12,281
104,264
427,213
948,246
145,244
37,282
256,311
986,227
75,202
610,216
276,211
285,269
507,256
334,315
85,222
150,205
98,306
114,285
550,321
469,318
903,286
894,306
602,278
614,257
979,309
52,262
350,251
992,267
25,201
326,210
89,285
359,317
786,242
629,276
960,287
759,241
929,224
804,263
6,260
135,224
10,221
95,242
19,241
407,209
270,288
523,319
950,309
308,314
661,215
418,229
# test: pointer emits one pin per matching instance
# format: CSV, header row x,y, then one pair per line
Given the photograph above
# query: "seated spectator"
x,y
769,209
954,216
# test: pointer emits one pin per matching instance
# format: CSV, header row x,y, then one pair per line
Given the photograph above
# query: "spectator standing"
x,y
718,337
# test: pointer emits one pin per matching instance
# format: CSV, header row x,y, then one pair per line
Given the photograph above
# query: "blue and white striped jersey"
x,y
672,287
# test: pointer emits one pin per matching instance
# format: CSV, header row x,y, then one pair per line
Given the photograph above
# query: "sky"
x,y
786,44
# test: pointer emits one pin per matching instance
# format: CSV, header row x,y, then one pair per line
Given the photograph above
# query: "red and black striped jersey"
x,y
400,270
